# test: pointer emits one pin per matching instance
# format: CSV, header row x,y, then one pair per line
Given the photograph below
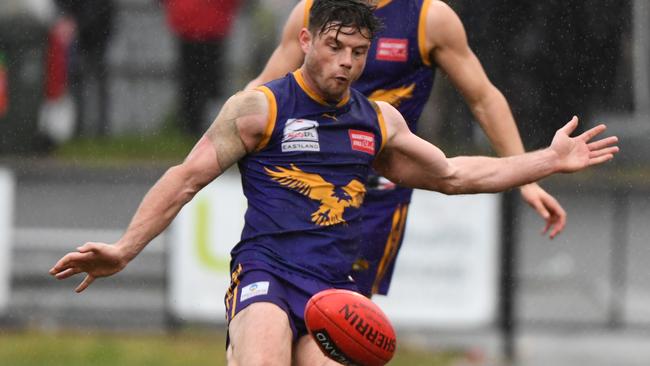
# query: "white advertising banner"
x,y
201,239
446,273
6,228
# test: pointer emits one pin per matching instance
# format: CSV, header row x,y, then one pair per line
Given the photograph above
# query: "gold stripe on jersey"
x,y
270,122
382,125
305,19
313,95
394,96
231,294
390,250
383,3
422,33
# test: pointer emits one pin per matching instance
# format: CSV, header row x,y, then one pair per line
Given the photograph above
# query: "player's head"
x,y
336,44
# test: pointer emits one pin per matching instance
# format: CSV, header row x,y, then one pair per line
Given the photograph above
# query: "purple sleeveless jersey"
x,y
306,181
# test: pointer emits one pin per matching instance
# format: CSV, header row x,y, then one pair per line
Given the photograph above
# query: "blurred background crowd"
x,y
114,67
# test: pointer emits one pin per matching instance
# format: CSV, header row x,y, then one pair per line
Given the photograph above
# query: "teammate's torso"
x,y
306,183
398,69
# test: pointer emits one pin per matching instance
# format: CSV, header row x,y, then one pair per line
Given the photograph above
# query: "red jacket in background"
x,y
201,20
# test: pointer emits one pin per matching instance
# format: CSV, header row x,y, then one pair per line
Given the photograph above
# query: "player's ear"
x,y
305,38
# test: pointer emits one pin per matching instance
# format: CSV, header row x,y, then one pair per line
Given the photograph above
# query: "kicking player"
x,y
305,144
418,35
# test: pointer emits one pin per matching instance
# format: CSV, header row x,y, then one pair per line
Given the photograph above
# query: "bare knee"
x,y
260,335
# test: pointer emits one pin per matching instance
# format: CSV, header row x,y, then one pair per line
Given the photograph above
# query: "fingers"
x,y
570,126
555,224
597,145
592,132
68,261
558,225
607,151
600,151
89,259
67,273
547,207
88,247
557,219
72,259
85,283
601,159
541,210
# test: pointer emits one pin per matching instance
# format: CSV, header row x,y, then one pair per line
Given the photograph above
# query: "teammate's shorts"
x,y
257,281
384,221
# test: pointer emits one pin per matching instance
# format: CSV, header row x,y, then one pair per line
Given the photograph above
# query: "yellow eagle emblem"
x,y
318,189
393,96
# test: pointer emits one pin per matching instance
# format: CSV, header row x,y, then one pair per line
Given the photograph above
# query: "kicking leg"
x,y
260,335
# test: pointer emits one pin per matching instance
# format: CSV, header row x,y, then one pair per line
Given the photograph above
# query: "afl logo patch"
x,y
362,141
300,135
392,49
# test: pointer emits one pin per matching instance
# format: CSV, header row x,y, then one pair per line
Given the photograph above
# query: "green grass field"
x,y
128,349
166,146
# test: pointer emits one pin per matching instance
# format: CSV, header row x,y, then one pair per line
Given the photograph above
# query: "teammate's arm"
x,y
236,131
408,160
288,56
447,40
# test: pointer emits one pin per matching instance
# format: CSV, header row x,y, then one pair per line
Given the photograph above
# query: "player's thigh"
x,y
307,353
260,335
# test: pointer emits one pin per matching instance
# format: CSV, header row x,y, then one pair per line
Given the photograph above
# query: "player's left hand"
x,y
577,153
546,206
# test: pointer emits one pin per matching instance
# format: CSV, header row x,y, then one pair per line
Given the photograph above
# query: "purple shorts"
x,y
257,281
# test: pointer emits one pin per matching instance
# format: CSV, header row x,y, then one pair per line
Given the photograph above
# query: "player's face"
x,y
334,59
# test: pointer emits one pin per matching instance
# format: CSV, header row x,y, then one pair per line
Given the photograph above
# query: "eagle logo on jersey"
x,y
332,203
393,97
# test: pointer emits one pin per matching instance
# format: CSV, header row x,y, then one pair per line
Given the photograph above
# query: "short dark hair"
x,y
325,15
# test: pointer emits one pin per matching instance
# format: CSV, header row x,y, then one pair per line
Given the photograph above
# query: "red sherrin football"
x,y
349,328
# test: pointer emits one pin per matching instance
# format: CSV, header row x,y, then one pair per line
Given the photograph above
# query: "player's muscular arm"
x,y
411,161
406,159
236,130
288,56
447,41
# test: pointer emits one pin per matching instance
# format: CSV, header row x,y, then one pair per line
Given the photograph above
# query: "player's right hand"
x,y
94,259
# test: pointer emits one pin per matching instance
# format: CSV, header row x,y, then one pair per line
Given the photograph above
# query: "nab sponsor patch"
x,y
392,49
362,141
254,289
300,135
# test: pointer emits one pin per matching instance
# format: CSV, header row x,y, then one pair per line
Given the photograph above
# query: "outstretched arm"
x,y
447,40
235,131
288,56
411,161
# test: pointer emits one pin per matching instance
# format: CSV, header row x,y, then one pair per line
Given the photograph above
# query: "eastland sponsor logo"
x,y
300,135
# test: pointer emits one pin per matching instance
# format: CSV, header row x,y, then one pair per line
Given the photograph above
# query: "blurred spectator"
x,y
23,35
88,74
57,114
201,27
